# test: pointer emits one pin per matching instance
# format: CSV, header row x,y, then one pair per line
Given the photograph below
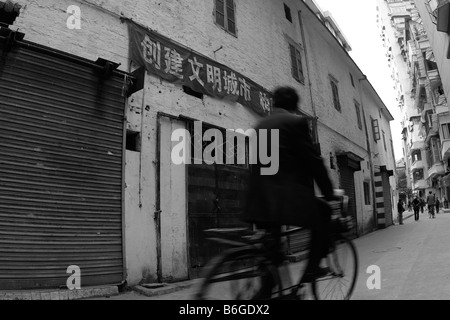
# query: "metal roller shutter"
x,y
61,166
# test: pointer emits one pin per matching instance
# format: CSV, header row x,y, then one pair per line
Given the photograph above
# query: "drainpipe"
x,y
369,150
157,213
302,30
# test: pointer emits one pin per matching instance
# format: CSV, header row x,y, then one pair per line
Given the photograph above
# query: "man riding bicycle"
x,y
288,197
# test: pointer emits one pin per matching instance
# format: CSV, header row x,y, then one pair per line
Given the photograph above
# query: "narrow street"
x,y
413,259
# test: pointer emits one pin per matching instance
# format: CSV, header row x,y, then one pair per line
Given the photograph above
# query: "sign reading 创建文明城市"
x,y
177,64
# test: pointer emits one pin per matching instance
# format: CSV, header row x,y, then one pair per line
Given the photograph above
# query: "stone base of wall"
x,y
55,294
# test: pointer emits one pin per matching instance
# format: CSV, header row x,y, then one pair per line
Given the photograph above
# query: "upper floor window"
x,y
287,12
446,131
358,115
296,60
335,92
384,140
375,129
225,15
351,79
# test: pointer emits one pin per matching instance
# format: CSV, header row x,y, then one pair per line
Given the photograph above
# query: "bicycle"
x,y
238,272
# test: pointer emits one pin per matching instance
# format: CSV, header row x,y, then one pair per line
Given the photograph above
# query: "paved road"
x,y
414,260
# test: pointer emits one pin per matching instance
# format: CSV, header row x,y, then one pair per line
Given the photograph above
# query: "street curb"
x,y
62,294
166,288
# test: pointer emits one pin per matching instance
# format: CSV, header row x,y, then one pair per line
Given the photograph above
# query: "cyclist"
x,y
431,203
288,196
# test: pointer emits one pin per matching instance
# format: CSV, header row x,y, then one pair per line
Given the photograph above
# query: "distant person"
x,y
431,202
422,205
409,205
438,203
445,203
416,207
400,210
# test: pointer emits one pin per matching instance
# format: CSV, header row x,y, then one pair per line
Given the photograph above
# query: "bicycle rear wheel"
x,y
237,274
343,264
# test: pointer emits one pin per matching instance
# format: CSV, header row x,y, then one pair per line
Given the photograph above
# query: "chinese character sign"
x,y
178,64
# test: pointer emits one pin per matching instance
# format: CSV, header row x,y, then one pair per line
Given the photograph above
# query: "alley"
x,y
413,259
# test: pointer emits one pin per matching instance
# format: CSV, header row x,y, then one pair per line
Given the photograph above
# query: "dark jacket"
x,y
416,204
288,197
400,207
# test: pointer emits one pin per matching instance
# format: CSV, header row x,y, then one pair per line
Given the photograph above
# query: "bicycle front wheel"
x,y
343,264
237,274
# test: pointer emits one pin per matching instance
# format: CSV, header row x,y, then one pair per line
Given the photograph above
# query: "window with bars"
x,y
296,60
335,93
225,15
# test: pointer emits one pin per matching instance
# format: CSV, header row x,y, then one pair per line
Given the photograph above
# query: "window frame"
x,y
358,113
375,129
296,62
288,13
335,93
445,133
225,27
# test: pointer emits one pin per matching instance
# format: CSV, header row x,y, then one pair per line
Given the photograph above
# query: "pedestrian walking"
x,y
409,205
400,210
422,204
416,207
438,203
431,202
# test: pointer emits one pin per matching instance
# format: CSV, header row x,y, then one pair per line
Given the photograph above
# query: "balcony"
x,y
434,129
433,76
417,145
437,169
441,109
417,165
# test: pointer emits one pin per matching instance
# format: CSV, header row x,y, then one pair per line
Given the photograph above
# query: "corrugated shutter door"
x,y
61,150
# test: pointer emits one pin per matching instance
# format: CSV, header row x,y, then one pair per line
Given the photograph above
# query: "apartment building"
x,y
421,93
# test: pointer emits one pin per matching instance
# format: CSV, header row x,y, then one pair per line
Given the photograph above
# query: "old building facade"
x,y
94,94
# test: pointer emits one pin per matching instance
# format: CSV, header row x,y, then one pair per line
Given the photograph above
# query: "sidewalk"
x,y
182,289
